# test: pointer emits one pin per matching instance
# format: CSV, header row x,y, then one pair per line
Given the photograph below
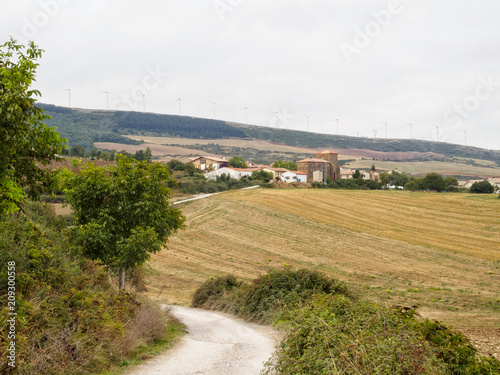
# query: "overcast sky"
x,y
290,63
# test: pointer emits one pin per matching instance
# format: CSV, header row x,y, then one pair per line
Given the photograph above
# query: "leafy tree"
x,y
450,181
398,178
290,165
123,212
93,154
237,162
357,174
434,181
262,175
482,187
373,169
190,169
175,165
25,139
384,178
78,151
411,185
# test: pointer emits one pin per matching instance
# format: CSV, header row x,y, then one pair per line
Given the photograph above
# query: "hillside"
x,y
84,127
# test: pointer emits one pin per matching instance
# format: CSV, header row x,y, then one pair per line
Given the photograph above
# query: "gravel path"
x,y
216,344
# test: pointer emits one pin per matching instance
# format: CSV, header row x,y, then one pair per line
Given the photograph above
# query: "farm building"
x,y
325,164
209,162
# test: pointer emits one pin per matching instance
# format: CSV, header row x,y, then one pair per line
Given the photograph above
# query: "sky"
x,y
365,68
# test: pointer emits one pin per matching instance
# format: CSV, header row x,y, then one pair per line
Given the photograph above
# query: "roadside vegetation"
x,y
71,318
60,313
331,330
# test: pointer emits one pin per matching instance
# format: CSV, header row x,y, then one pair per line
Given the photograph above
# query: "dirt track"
x,y
216,344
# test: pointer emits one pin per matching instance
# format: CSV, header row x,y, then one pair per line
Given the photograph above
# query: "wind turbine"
x,y
214,108
307,116
69,96
107,99
411,130
437,136
336,119
144,103
178,100
375,133
385,129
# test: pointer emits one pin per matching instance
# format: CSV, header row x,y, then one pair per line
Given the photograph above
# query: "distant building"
x,y
236,173
277,172
325,164
294,176
205,163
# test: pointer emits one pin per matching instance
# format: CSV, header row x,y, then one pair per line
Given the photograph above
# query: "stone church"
x,y
325,164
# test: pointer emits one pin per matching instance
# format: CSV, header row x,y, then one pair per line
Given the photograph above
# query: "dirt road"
x,y
216,344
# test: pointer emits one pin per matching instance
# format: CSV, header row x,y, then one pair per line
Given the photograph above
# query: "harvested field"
x,y
420,168
156,149
438,251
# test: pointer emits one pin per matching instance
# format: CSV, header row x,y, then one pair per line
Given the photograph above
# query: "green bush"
x,y
337,335
214,289
285,289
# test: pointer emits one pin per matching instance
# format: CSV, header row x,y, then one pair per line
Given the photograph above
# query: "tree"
x,y
237,162
262,175
398,178
290,165
357,174
482,187
384,178
434,181
25,140
78,151
373,169
175,165
411,185
123,213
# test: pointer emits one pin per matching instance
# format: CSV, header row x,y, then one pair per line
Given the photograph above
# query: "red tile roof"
x,y
313,160
327,152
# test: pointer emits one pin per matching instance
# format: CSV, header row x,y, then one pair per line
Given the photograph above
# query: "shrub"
x,y
336,335
212,290
285,289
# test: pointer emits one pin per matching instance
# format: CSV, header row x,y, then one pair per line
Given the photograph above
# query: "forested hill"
x,y
84,127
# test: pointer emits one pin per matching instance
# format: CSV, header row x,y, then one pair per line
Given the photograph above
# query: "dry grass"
x,y
423,167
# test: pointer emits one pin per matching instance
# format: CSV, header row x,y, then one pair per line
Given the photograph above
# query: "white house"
x,y
301,176
236,173
294,176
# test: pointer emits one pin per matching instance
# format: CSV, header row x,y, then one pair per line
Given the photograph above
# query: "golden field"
x,y
438,251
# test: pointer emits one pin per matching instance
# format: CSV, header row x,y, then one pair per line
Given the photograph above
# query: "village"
x,y
323,167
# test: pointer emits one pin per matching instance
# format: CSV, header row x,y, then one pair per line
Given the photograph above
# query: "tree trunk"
x,y
121,277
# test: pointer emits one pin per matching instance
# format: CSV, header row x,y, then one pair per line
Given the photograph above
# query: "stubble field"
x,y
438,251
